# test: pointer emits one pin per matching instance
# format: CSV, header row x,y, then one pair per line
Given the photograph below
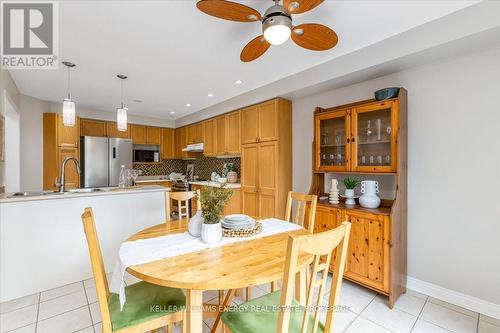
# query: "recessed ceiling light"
x,y
172,112
210,94
188,105
137,100
238,82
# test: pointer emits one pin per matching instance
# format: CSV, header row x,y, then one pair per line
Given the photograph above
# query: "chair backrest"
x,y
101,281
300,201
322,246
183,202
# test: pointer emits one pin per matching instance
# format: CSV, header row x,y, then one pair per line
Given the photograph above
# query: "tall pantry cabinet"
x,y
266,158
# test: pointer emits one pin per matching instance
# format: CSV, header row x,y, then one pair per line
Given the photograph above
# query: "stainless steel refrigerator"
x,y
101,160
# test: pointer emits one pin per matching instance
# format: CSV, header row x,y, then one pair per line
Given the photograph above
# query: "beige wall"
x,y
454,167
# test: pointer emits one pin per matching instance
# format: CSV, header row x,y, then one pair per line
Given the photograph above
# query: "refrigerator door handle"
x,y
114,152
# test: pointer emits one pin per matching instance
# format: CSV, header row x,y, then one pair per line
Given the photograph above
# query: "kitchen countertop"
x,y
4,197
216,184
152,179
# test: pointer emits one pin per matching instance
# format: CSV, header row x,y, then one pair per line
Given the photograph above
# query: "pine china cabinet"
x,y
366,138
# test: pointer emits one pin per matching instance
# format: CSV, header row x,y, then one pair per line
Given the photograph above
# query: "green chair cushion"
x,y
145,301
260,315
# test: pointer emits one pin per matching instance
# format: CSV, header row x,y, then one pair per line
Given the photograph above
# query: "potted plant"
x,y
212,200
350,184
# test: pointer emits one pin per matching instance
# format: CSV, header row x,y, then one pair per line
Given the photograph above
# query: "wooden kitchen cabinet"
x,y
153,135
260,123
369,247
233,133
234,205
266,164
377,257
59,142
138,134
91,127
360,137
195,133
167,146
209,137
221,137
113,131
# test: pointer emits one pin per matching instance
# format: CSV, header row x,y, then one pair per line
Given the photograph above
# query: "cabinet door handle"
x,y
348,140
352,139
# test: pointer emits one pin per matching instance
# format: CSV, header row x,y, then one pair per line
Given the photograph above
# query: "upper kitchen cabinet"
x,y
194,133
59,142
263,122
138,134
113,131
91,127
357,138
64,136
221,137
232,133
167,146
153,135
209,137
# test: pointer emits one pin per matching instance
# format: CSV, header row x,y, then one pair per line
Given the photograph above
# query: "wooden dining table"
x,y
237,265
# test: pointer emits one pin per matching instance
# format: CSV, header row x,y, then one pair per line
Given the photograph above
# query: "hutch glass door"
x,y
332,143
374,138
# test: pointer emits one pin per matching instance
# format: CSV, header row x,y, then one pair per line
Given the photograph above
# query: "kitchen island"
x,y
42,242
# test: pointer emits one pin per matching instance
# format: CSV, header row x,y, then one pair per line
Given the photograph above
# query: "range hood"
x,y
194,148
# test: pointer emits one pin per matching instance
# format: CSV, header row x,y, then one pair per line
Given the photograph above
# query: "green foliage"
x,y
213,200
350,183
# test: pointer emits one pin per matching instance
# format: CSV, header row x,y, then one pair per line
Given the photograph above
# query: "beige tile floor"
x,y
74,308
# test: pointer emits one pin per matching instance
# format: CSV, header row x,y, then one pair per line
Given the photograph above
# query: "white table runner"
x,y
147,250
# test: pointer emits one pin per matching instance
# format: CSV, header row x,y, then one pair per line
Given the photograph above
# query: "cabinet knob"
x,y
353,139
348,140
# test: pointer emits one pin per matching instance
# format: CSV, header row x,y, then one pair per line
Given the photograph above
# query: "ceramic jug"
x,y
369,189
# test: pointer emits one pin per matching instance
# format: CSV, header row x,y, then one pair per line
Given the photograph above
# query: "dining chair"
x,y
279,311
149,307
183,203
300,202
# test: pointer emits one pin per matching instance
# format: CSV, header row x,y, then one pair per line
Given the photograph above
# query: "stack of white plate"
x,y
238,221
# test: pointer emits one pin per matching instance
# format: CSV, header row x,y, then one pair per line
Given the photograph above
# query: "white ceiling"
x,y
174,54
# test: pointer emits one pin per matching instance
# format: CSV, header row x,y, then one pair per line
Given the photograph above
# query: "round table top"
x,y
233,266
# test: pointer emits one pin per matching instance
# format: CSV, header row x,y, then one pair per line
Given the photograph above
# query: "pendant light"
x,y
121,112
68,110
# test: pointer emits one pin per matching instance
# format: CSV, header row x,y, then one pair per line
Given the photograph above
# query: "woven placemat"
x,y
256,229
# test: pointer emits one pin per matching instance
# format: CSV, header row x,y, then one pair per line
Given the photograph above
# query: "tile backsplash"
x,y
203,166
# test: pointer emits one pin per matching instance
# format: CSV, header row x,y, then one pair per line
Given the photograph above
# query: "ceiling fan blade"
x,y
316,37
300,6
254,49
228,10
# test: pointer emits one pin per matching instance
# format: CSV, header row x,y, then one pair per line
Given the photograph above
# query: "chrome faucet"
x,y
60,182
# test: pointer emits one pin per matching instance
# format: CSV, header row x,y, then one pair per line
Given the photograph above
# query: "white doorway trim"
x,y
12,144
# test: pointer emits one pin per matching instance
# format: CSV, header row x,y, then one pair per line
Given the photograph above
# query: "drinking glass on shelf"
x,y
363,159
372,159
379,159
339,159
388,159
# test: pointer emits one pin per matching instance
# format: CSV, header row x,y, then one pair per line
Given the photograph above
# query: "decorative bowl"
x,y
386,93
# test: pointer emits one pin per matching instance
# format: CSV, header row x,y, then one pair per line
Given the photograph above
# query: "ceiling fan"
x,y
276,25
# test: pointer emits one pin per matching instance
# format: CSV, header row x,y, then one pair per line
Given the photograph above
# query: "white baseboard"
x,y
454,297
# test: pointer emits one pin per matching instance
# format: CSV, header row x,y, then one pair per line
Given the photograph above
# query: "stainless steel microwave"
x,y
141,155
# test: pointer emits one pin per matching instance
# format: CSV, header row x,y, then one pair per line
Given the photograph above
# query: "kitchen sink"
x,y
86,190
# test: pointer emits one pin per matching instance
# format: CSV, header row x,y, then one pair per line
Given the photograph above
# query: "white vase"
x,y
369,199
194,225
349,193
211,233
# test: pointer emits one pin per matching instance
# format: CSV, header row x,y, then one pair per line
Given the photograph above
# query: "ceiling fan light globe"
x,y
277,34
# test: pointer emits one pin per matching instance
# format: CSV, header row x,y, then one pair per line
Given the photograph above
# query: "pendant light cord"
x,y
121,81
69,84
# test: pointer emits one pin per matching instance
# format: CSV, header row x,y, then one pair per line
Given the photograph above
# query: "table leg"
x,y
222,307
194,311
